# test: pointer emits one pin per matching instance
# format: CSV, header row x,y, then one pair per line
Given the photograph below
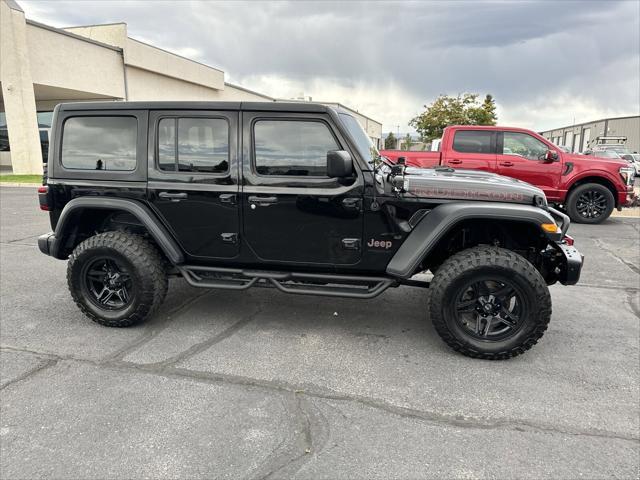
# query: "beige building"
x,y
581,137
41,66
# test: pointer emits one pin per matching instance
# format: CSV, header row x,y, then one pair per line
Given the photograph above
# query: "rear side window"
x,y
472,141
100,143
202,145
292,147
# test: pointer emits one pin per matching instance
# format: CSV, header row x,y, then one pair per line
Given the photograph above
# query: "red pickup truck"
x,y
587,187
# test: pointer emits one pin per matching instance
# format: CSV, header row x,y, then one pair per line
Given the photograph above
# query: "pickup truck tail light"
x,y
43,198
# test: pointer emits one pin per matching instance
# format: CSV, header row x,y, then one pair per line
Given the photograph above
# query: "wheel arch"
x,y
521,223
599,179
83,215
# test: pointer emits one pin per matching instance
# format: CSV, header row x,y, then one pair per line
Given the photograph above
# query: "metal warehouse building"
x,y
41,66
579,138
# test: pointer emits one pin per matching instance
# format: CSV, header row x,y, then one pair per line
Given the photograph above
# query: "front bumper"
x,y
46,243
569,264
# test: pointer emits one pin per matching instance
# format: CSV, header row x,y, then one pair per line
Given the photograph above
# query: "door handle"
x,y
506,164
351,203
228,198
455,162
262,201
173,196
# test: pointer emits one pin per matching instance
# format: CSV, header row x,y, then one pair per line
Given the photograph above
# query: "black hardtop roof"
x,y
252,106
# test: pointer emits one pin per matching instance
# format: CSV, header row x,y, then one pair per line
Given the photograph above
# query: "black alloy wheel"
x,y
108,283
490,309
591,204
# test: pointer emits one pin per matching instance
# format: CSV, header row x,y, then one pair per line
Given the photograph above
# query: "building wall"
x,y
590,131
59,60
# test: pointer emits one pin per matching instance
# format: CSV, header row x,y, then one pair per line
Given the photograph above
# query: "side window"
x,y
100,143
523,145
292,147
202,145
472,141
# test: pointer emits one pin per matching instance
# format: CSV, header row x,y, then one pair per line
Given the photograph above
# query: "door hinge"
x,y
351,243
229,237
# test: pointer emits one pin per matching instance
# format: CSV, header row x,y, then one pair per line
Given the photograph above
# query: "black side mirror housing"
x,y
550,156
339,164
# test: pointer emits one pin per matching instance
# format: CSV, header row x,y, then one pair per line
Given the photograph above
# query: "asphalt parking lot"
x,y
258,384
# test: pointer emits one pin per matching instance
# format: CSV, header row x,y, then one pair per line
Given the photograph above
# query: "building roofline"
x,y
232,85
72,35
591,121
110,24
13,5
176,54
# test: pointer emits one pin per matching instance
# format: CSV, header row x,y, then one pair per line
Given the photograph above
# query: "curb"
x,y
20,185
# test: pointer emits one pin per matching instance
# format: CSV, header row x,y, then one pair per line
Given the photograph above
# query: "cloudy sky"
x,y
545,62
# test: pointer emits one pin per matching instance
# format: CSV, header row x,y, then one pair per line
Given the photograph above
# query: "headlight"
x,y
627,175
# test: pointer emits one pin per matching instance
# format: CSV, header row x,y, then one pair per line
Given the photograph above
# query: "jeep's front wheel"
x,y
117,279
490,303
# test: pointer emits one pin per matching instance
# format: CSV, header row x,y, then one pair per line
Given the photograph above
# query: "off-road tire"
x,y
148,272
572,203
478,262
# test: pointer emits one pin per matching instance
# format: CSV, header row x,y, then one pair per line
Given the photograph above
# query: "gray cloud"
x,y
581,57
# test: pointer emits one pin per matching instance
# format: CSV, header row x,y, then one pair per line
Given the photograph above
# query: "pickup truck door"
x,y
520,156
470,149
292,212
193,179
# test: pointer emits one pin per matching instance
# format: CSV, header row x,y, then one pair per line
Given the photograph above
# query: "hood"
x,y
470,185
576,157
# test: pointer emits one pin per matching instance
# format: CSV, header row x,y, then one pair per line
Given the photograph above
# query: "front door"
x,y
472,149
193,179
293,212
521,156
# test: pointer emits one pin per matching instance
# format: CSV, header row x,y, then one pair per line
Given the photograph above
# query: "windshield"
x,y
363,143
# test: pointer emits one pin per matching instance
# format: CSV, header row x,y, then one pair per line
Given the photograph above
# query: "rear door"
x,y
521,156
193,179
472,149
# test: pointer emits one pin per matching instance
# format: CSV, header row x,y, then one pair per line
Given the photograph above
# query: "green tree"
x,y
408,141
464,109
390,141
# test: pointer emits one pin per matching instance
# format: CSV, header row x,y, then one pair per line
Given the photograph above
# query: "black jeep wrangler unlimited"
x,y
294,197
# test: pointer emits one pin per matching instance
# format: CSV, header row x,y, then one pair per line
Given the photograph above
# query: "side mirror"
x,y
550,156
339,164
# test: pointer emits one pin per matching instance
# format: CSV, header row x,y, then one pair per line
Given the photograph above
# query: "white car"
x,y
633,159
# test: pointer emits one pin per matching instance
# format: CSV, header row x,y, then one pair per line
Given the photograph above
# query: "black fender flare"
x,y
433,226
153,225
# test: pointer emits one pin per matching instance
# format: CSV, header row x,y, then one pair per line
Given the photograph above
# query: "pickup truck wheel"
x,y
590,203
117,279
490,303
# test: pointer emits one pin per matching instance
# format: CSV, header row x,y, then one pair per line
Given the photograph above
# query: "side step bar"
x,y
332,285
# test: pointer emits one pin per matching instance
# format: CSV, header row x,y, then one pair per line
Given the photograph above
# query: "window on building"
x,y
202,145
100,143
287,147
472,141
523,145
4,134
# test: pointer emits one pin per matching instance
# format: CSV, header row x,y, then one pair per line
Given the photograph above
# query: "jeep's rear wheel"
x,y
488,302
590,203
117,279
